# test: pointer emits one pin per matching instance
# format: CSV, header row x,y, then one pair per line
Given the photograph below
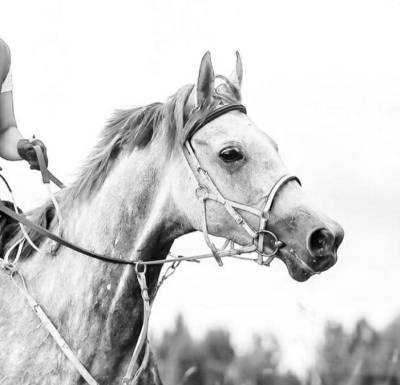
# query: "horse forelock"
x,y
227,90
224,93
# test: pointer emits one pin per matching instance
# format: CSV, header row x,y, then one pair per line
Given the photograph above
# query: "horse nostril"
x,y
321,242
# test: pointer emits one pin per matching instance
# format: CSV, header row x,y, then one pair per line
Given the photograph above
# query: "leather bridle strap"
x,y
48,324
45,233
47,176
214,115
264,217
203,195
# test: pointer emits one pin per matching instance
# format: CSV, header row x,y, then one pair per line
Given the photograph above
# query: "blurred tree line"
x,y
213,360
362,356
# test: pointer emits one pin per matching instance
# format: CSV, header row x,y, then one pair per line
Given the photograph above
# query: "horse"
x,y
131,199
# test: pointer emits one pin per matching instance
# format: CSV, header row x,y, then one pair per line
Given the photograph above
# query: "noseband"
x,y
261,237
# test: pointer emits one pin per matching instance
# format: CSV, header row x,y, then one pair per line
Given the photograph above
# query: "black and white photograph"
x,y
200,192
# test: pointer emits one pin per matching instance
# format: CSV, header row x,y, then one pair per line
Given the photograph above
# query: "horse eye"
x,y
231,154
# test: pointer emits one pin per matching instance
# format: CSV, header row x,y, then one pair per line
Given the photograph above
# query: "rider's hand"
x,y
27,152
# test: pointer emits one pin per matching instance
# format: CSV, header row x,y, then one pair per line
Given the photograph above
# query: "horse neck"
x,y
131,209
130,216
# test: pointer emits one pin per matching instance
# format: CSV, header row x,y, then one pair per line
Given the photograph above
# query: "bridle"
x,y
206,189
204,182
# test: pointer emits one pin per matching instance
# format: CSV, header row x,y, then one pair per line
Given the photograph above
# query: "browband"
x,y
214,115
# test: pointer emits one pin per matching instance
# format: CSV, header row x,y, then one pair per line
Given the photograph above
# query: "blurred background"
x,y
323,79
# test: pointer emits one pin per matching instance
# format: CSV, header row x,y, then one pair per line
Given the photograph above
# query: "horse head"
x,y
241,164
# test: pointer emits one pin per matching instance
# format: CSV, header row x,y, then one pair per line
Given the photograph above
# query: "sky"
x,y
321,77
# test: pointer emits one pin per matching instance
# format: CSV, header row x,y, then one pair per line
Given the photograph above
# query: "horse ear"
x,y
205,83
237,75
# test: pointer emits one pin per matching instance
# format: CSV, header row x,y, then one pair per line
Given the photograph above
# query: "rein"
x,y
206,189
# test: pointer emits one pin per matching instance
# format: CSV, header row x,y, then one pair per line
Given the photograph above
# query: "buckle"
x,y
201,193
8,267
273,242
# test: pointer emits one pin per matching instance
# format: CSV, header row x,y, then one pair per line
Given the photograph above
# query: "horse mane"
x,y
127,130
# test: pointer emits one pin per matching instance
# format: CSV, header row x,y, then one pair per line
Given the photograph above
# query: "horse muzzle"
x,y
318,254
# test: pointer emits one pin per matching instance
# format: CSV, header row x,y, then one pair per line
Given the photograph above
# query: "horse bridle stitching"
x,y
203,194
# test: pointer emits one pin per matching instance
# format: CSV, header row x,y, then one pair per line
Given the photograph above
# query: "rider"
x,y
12,144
